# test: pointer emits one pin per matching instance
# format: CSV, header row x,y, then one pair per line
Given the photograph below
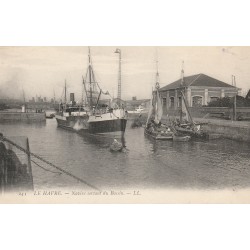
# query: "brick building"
x,y
199,89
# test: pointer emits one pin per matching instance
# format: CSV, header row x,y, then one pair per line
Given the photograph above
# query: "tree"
x,y
221,102
229,102
3,106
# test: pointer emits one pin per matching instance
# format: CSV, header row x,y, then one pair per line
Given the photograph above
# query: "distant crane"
x,y
54,96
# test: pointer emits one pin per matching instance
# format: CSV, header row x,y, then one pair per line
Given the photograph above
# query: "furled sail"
x,y
158,108
155,109
185,110
150,112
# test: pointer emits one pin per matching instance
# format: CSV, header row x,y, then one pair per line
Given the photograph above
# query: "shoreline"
x,y
8,116
216,128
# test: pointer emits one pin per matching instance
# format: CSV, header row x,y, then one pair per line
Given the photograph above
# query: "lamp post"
x,y
119,76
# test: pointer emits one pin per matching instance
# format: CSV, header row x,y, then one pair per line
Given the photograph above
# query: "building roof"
x,y
197,80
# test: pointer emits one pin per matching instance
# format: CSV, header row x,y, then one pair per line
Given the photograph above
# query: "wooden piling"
x,y
14,176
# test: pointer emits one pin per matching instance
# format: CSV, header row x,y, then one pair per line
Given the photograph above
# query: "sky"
x,y
40,71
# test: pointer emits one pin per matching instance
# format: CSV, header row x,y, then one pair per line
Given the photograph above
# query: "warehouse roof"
x,y
197,80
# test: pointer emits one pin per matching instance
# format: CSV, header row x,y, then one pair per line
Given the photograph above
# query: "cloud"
x,y
40,70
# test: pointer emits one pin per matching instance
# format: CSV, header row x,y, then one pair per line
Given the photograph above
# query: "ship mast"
x,y
65,94
85,90
90,81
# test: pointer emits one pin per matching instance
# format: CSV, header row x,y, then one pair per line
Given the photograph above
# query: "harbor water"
x,y
149,164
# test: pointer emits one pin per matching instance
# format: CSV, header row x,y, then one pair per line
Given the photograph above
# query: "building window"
x,y
197,101
171,102
164,102
213,98
179,101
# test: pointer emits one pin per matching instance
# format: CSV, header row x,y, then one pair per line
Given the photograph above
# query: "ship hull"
x,y
112,127
69,123
158,136
108,126
192,133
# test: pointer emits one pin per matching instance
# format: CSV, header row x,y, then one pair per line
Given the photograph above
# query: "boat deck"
x,y
158,136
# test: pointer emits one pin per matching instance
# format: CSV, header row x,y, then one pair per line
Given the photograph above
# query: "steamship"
x,y
94,116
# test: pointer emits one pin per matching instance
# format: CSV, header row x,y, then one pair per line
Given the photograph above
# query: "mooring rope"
x,y
2,138
45,169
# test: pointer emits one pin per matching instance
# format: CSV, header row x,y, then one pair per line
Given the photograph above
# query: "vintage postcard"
x,y
128,124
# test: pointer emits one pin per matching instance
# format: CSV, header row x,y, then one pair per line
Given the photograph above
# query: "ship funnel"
x,y
72,97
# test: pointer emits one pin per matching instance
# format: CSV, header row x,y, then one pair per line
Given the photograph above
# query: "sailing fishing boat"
x,y
186,125
154,128
93,117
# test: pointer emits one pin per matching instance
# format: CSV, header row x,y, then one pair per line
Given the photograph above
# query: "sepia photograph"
x,y
124,124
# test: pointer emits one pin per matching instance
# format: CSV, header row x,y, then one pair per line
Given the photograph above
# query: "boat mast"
x,y
90,81
182,86
235,99
157,82
183,99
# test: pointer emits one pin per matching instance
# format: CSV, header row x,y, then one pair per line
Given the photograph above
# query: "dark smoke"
x,y
11,88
